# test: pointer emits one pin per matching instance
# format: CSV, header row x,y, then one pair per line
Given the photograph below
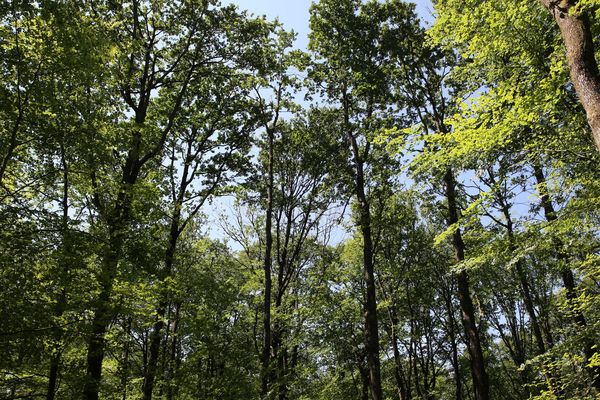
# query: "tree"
x,y
357,48
205,154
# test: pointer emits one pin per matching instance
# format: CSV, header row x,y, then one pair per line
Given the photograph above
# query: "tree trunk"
x,y
575,29
125,368
267,265
371,323
174,357
370,306
103,315
156,335
364,379
117,221
479,375
398,370
447,293
524,282
61,303
566,273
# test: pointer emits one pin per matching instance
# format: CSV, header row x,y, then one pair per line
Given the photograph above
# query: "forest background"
x,y
197,203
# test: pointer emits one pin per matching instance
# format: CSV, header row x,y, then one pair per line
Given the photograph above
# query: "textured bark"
x,y
479,374
576,33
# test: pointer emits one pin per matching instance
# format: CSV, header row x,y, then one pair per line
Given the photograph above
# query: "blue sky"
x,y
294,13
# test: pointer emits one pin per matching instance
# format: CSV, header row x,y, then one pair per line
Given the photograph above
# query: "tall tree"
x,y
160,50
205,156
357,47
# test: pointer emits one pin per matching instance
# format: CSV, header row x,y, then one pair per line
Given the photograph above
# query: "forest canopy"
x,y
194,207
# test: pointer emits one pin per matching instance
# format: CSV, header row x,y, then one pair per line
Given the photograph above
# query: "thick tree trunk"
x,y
103,315
480,378
117,221
52,378
576,32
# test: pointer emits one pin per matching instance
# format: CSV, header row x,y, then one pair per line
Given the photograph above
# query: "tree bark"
x,y
370,305
156,335
61,303
567,275
575,29
478,372
103,314
117,221
371,322
267,266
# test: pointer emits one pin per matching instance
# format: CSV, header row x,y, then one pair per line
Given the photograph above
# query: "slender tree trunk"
x,y
174,357
453,343
156,335
575,29
398,370
524,282
566,273
267,266
370,306
479,375
61,303
126,351
371,322
364,379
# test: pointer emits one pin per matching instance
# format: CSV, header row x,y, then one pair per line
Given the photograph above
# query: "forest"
x,y
194,207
